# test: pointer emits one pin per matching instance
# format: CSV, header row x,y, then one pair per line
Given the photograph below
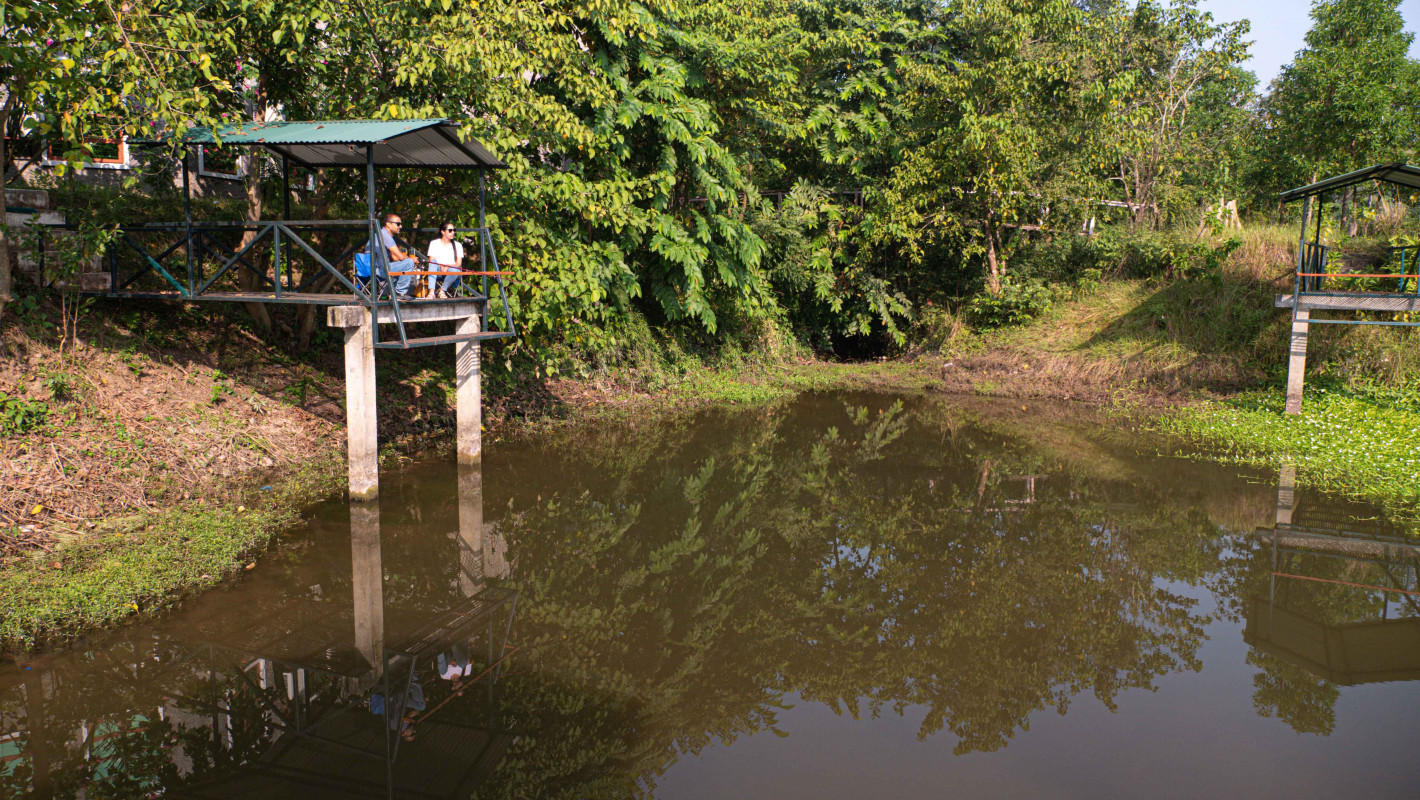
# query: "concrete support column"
x,y
471,546
1297,360
469,380
1286,494
361,424
367,582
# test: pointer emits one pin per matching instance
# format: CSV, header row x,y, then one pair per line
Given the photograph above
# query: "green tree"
x,y
1346,101
74,70
993,108
1176,100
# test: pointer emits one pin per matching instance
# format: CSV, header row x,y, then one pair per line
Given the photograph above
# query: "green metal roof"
x,y
341,143
1398,173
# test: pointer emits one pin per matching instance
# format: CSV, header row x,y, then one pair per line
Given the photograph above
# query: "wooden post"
x,y
468,379
361,423
1297,360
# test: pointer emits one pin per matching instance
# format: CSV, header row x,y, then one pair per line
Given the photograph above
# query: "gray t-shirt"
x,y
386,240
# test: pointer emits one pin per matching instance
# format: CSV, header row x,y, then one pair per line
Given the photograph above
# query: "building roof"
x,y
341,143
1397,173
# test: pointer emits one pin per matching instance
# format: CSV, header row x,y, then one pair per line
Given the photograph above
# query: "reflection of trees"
x,y
680,580
1323,569
1285,691
869,564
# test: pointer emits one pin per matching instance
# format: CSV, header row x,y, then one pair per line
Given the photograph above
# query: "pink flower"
x,y
49,42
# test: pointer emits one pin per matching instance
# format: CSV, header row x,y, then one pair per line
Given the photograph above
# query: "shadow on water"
x,y
614,610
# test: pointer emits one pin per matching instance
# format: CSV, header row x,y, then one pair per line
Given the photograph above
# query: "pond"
x,y
845,596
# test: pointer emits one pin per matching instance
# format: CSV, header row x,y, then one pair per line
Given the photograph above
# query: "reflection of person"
x,y
406,707
444,254
399,261
454,665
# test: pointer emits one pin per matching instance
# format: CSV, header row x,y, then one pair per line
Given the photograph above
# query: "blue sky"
x,y
1279,30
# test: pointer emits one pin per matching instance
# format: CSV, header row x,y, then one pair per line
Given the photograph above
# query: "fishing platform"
x,y
1326,283
289,261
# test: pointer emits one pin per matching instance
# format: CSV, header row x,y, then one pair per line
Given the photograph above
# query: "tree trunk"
x,y
983,475
248,280
995,262
6,274
1345,203
308,316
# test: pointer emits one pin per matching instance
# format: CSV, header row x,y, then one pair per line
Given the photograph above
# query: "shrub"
x,y
1126,252
18,415
1016,304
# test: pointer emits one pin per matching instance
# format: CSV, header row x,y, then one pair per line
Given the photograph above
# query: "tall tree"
x,y
993,107
75,70
1346,101
1175,97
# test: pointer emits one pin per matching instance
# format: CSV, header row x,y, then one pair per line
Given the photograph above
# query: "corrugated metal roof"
x,y
1397,173
341,143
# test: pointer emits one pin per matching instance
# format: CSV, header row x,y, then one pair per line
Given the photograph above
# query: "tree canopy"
x,y
734,172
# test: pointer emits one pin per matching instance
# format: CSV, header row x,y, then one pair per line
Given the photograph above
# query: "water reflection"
x,y
681,587
302,695
1340,609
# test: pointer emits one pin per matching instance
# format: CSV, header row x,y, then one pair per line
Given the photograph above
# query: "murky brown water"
x,y
847,597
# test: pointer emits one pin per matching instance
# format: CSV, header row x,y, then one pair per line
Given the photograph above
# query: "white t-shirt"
x,y
445,254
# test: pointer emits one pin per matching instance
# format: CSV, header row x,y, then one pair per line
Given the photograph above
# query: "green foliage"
x,y
1125,252
1013,305
1348,99
18,415
1351,439
1170,139
732,172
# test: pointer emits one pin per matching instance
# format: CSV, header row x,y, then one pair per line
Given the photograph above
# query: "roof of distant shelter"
x,y
341,143
1397,173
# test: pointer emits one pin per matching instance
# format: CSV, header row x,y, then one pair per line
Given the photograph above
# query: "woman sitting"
x,y
445,255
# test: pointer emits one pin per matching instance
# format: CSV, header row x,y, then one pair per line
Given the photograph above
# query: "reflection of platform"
x,y
302,767
1349,653
1345,543
303,735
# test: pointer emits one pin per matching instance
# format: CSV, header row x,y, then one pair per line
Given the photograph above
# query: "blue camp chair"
x,y
362,273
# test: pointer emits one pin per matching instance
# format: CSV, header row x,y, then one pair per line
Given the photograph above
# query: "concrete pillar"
x,y
470,537
1286,494
469,379
1297,361
361,423
367,580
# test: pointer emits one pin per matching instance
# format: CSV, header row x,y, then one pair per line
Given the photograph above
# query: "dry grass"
x,y
1167,340
127,433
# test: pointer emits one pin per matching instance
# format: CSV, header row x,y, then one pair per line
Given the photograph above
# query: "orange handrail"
x,y
454,272
1347,583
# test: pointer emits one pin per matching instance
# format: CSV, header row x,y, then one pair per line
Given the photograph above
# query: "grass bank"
x,y
1205,356
143,563
1358,441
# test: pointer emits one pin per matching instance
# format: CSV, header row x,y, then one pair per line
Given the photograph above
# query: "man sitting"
x,y
399,261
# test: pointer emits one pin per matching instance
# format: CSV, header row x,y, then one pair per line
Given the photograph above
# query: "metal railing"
x,y
284,261
1311,276
1311,273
